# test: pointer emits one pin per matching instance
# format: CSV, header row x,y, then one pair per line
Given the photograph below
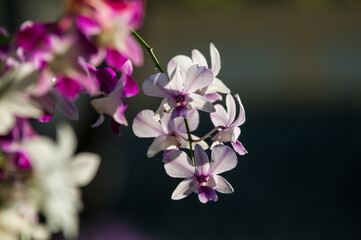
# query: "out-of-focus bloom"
x,y
202,178
181,91
211,92
115,91
166,132
230,130
57,175
15,101
109,24
13,225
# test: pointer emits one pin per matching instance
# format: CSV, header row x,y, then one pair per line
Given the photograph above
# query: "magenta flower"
x,y
180,92
229,131
202,178
169,134
115,91
211,92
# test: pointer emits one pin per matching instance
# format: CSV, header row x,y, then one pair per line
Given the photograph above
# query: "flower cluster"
x,y
45,67
188,86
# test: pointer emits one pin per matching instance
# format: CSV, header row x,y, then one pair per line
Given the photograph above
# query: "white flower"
x,y
57,176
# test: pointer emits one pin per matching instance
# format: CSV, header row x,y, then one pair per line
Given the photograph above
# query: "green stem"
x,y
149,49
190,140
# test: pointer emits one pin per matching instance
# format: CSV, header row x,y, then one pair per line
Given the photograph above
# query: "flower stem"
x,y
208,134
190,140
149,49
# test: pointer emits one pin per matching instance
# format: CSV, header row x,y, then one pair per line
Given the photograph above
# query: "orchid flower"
x,y
211,92
180,91
115,91
57,175
230,130
15,99
202,178
168,133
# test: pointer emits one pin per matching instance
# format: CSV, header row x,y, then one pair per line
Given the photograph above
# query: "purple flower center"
x,y
202,179
180,99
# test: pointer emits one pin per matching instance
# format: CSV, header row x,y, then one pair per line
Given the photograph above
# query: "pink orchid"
x,y
169,134
230,130
115,91
202,178
180,92
211,92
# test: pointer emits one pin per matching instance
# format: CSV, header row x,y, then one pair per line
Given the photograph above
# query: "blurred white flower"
x,y
57,175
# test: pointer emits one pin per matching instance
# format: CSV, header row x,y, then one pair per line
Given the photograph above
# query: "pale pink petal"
x,y
199,102
201,160
127,68
238,147
155,86
119,116
197,78
206,194
223,159
241,115
184,188
178,123
179,165
162,109
162,142
217,86
145,126
198,58
215,59
220,116
182,61
231,109
227,134
223,185
213,97
180,111
176,82
133,50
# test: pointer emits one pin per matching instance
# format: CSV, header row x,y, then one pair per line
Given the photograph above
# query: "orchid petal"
x,y
241,115
133,51
68,87
180,111
99,121
66,139
199,102
127,68
115,59
130,87
198,58
197,78
155,86
162,142
178,165
64,105
162,109
119,116
178,123
87,26
107,79
239,148
231,109
83,168
217,86
227,134
201,160
207,194
220,116
223,159
223,185
184,188
145,126
182,61
215,59
213,97
176,82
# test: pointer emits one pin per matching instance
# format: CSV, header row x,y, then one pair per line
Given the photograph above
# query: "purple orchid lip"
x,y
21,161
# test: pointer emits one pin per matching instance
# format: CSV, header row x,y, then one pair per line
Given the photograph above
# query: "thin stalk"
x,y
208,134
190,140
149,50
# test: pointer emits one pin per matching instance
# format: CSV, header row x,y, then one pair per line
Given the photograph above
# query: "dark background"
x,y
297,68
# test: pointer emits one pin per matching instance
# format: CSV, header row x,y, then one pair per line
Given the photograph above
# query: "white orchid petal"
x,y
217,86
196,78
198,58
155,86
215,59
162,142
179,165
83,168
241,115
223,186
220,116
239,148
223,159
201,160
182,61
145,126
184,188
199,102
231,109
